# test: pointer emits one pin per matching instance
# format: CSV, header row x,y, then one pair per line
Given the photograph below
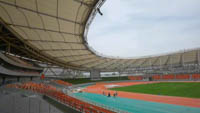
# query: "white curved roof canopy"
x,y
58,29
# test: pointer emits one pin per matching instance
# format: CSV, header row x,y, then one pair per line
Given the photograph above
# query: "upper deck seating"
x,y
17,72
14,62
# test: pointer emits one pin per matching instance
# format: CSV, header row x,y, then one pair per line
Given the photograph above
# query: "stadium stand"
x,y
52,92
169,77
13,61
13,70
62,83
56,33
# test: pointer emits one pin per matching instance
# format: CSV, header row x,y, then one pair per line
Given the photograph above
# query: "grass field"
x,y
180,89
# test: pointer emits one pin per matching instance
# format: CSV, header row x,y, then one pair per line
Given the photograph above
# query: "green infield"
x,y
181,89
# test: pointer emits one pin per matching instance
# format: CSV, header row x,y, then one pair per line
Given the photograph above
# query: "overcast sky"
x,y
134,28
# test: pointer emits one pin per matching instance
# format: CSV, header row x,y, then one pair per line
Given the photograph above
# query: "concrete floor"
x,y
19,101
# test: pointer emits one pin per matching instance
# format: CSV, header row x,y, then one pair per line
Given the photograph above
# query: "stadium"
x,y
44,53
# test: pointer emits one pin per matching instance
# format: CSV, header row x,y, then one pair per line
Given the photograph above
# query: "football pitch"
x,y
180,89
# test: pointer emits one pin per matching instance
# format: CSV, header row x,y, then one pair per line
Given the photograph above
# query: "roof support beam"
x,y
52,41
102,63
120,64
90,62
95,64
105,64
131,63
72,56
82,59
108,65
182,59
155,61
61,49
29,27
124,64
1,27
144,61
168,60
81,2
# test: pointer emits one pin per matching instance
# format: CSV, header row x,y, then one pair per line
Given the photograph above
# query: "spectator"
x,y
109,94
114,94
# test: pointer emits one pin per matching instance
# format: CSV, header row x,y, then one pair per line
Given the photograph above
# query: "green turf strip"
x,y
87,80
181,89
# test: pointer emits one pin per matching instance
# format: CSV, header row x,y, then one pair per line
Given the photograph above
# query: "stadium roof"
x,y
57,31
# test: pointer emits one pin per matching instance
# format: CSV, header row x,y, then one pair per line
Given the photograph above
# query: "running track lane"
x,y
100,87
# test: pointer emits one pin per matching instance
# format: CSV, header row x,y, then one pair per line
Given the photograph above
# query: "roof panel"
x,y
56,28
68,9
50,23
4,14
16,15
33,19
9,1
83,62
47,8
82,13
29,4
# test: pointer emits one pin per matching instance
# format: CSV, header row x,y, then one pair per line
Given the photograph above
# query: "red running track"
x,y
99,88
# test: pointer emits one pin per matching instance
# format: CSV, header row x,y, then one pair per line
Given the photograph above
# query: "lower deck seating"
x,y
62,82
60,96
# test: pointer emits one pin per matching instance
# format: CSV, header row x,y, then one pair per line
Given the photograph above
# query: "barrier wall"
x,y
156,77
135,77
168,77
183,77
196,76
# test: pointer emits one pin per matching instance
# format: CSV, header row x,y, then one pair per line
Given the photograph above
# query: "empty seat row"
x,y
62,82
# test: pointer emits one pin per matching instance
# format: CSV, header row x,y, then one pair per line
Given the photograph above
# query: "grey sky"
x,y
132,28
